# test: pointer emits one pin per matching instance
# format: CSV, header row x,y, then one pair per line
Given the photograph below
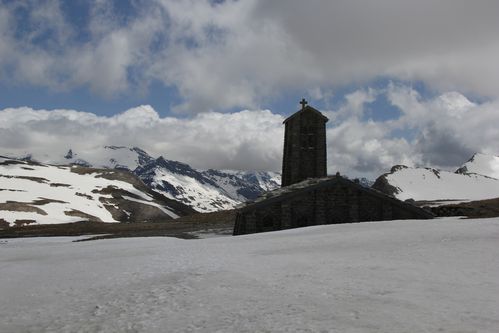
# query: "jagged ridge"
x,y
204,190
477,179
33,192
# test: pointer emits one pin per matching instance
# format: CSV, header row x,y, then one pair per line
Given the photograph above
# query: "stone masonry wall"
x,y
304,148
338,203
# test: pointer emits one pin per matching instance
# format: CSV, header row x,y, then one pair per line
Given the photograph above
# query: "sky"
x,y
210,82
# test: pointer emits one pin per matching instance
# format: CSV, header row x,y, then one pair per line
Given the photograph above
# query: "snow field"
x,y
202,197
424,184
397,276
73,191
102,157
487,165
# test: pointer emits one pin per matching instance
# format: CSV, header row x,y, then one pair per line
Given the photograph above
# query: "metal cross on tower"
x,y
303,103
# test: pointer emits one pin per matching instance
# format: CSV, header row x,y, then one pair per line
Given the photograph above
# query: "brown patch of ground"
x,y
44,201
21,223
473,209
59,185
78,213
126,176
183,227
21,207
35,179
89,197
81,170
4,224
131,211
11,162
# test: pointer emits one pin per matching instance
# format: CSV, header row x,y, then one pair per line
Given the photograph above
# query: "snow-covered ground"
x,y
477,179
267,180
203,190
400,276
47,194
431,184
487,165
98,157
199,195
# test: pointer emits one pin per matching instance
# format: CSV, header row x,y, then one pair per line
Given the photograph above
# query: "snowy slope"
x,y
266,180
179,181
398,276
107,157
45,194
434,185
482,164
203,190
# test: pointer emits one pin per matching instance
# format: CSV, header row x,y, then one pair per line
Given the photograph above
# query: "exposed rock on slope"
x,y
179,181
482,164
203,190
38,193
426,184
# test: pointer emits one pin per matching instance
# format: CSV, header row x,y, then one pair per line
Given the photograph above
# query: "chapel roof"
x,y
316,183
306,108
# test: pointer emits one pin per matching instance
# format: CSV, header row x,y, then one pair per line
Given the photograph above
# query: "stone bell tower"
x,y
304,145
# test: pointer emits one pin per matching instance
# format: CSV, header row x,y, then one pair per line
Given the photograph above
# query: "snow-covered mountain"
x,y
266,180
482,164
473,181
46,194
113,157
179,181
203,190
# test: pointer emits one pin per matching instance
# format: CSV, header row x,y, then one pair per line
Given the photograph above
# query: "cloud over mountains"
x,y
446,130
219,56
225,54
242,140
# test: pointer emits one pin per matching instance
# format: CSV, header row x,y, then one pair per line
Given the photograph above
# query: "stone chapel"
x,y
304,146
307,195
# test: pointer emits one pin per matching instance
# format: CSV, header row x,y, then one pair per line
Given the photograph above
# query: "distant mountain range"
x,y
110,177
477,179
203,190
38,193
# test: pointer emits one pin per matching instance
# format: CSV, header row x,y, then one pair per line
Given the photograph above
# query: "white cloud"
x,y
449,128
43,48
446,131
238,53
242,140
253,139
354,105
360,148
